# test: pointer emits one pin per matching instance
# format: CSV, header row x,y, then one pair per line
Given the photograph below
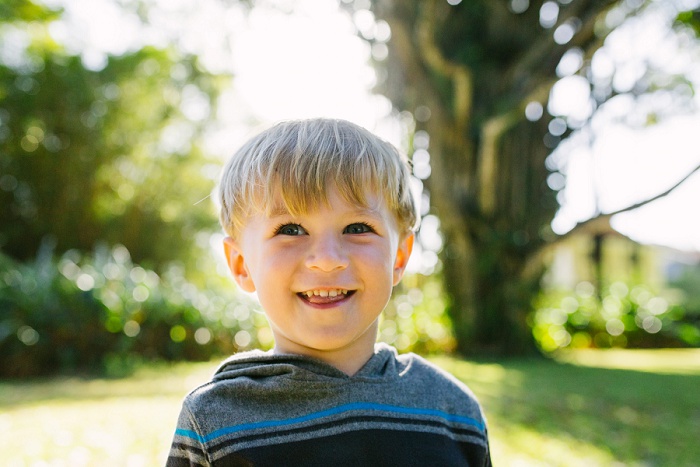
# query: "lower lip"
x,y
326,305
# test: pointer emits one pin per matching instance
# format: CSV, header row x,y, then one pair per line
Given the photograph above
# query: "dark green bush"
x,y
102,313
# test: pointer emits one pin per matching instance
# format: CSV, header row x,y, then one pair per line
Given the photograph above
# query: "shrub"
x,y
415,319
620,316
101,312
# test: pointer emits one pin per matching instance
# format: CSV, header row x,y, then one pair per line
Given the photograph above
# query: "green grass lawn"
x,y
592,408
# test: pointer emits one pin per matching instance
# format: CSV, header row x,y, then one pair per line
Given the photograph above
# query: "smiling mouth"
x,y
322,297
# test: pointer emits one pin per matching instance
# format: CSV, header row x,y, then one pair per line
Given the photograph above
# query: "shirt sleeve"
x,y
188,448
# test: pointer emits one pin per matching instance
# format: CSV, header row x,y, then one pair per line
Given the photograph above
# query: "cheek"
x,y
378,262
273,265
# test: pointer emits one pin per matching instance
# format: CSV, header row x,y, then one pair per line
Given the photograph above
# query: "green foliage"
x,y
621,316
687,281
103,313
111,154
24,10
415,319
690,19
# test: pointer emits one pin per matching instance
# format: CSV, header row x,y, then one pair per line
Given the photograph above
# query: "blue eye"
x,y
290,229
358,228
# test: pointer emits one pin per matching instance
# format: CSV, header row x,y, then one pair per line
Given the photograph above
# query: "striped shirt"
x,y
262,409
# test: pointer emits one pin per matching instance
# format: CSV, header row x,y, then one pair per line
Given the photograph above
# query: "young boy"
x,y
320,221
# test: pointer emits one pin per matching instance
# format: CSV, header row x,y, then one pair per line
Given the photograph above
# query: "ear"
x,y
236,263
403,253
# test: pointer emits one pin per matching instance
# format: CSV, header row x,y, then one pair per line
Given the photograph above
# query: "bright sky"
x,y
311,63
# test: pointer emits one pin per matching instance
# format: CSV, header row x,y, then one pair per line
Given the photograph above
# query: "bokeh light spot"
x,y
202,336
242,339
132,328
28,335
178,333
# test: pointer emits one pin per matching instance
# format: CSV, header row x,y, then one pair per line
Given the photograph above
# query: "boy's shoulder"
x,y
415,366
422,380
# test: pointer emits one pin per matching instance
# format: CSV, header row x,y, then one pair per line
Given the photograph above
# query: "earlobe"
x,y
403,253
237,266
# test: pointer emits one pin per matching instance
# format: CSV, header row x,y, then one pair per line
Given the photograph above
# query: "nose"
x,y
326,253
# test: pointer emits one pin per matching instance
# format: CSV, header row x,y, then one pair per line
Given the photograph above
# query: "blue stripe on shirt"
x,y
332,411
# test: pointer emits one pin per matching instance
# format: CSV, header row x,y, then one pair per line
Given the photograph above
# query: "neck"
x,y
349,359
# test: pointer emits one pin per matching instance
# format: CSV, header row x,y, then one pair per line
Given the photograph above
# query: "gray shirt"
x,y
266,409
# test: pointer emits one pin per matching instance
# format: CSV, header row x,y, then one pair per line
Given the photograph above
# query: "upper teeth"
x,y
326,293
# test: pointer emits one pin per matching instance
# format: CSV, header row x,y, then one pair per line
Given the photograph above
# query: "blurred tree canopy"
x,y
112,154
477,76
102,170
25,10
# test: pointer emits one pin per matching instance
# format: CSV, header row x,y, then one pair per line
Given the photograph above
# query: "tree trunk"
x,y
487,255
488,173
488,305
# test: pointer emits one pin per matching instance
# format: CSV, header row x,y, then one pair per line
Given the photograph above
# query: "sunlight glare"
x,y
313,65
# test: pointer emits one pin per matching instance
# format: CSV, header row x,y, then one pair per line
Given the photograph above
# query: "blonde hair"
x,y
298,159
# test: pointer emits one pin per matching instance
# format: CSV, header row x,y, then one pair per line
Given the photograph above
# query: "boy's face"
x,y
323,277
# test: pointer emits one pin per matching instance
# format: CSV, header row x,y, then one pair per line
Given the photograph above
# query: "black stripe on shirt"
x,y
403,424
365,448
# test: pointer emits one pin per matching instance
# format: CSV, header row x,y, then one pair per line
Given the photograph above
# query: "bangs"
x,y
297,162
302,179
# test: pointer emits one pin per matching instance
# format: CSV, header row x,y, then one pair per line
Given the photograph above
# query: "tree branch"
x,y
404,48
491,132
460,75
582,226
596,225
